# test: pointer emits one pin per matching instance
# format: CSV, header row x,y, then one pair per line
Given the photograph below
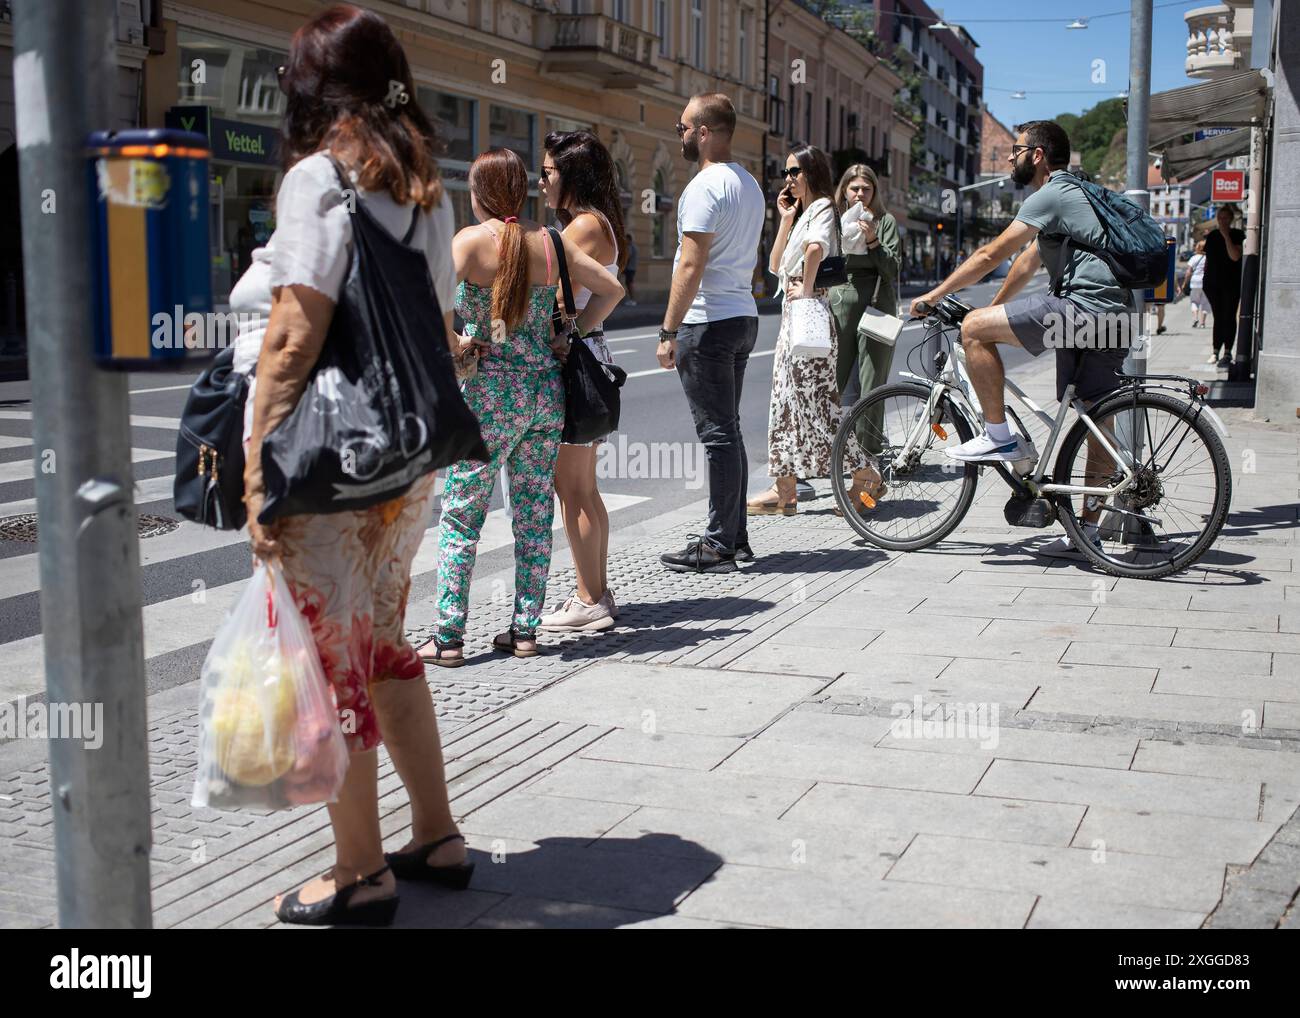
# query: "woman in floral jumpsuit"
x,y
507,291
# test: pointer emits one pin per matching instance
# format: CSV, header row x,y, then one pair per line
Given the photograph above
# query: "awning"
x,y
1178,162
1235,100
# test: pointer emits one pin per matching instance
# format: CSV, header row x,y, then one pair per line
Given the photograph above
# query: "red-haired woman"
x,y
350,97
508,274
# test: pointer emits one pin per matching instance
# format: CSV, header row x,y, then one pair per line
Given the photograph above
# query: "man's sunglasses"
x,y
791,171
681,128
1017,149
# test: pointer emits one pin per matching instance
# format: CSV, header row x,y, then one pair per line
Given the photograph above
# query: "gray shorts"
x,y
1092,369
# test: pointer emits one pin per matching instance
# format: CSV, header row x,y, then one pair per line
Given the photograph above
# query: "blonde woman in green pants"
x,y
871,250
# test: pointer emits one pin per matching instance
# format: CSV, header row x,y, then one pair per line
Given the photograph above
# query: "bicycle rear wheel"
x,y
1178,502
928,493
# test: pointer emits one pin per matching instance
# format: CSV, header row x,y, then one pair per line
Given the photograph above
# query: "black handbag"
x,y
209,487
832,271
382,407
591,397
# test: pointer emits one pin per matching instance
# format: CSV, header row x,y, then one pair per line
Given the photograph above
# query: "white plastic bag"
x,y
810,327
269,735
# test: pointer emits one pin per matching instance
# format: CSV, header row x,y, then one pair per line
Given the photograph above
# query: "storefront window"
x,y
514,129
235,79
455,118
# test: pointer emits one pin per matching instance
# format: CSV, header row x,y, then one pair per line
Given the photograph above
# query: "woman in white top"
x,y
805,409
350,95
1195,276
579,183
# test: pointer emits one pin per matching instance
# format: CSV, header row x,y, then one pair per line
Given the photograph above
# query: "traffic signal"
x,y
939,227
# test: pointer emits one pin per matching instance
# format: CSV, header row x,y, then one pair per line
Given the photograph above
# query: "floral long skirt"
x,y
805,410
350,574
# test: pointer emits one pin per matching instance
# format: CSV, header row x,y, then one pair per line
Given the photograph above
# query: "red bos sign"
x,y
1227,185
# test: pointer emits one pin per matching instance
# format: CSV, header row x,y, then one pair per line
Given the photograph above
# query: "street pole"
x,y
1139,116
1139,119
65,60
1244,360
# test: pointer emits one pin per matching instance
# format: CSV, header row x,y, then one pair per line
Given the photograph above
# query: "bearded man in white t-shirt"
x,y
711,322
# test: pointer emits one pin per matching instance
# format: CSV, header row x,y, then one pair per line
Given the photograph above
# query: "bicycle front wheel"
x,y
927,493
1178,502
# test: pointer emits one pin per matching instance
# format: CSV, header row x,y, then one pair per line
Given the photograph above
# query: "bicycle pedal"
x,y
1029,512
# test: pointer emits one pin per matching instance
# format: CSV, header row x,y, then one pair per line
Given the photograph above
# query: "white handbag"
x,y
810,327
879,325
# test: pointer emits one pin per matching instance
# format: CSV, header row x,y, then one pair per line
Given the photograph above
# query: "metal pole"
x,y
64,64
1139,114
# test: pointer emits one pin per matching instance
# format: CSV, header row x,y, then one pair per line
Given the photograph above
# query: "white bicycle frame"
x,y
956,382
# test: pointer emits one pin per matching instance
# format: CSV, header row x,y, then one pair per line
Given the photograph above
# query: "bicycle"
x,y
1150,468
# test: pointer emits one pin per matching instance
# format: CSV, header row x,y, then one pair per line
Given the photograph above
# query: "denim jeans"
x,y
711,360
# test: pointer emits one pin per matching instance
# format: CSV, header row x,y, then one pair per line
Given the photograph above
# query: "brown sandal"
x,y
769,504
438,658
508,643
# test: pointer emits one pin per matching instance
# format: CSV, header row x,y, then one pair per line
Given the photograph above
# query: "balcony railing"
x,y
1218,40
595,46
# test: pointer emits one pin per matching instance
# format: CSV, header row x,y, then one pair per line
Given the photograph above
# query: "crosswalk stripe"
x,y
182,621
13,441
25,470
663,371
150,489
137,420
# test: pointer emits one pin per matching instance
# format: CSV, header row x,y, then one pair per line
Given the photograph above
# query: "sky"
x,y
1043,58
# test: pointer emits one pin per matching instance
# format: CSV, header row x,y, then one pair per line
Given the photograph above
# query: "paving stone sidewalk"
x,y
729,755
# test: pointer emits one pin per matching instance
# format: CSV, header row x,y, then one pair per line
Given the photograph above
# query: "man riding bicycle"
x,y
1082,288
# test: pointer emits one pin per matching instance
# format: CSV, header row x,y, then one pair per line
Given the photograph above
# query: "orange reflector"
x,y
938,430
867,500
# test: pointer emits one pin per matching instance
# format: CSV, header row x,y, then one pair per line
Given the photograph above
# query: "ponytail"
x,y
499,181
510,287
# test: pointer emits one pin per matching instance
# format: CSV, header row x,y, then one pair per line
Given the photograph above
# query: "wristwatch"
x,y
667,335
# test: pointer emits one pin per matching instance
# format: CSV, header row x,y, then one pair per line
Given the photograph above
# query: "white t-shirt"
x,y
310,247
1197,265
725,200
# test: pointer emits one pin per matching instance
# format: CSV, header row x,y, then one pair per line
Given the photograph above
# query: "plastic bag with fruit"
x,y
269,735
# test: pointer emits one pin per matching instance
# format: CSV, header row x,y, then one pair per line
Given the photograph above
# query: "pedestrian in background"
x,y
711,322
579,183
350,571
804,412
1194,278
1222,281
507,270
872,258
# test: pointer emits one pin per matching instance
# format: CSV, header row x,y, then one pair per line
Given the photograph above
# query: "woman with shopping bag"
x,y
360,176
804,413
866,308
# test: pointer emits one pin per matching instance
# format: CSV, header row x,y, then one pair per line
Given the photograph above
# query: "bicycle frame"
x,y
954,382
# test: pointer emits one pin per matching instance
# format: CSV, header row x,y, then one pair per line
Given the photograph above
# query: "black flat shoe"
x,y
699,557
335,910
744,553
414,865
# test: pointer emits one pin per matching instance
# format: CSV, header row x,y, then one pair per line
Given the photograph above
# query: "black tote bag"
x,y
382,407
591,398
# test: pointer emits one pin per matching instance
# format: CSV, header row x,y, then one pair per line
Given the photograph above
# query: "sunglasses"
x,y
545,172
1017,149
681,128
791,171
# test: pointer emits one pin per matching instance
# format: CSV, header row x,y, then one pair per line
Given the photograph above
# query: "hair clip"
x,y
510,219
396,94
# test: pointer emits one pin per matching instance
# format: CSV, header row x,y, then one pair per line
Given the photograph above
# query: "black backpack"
x,y
1135,249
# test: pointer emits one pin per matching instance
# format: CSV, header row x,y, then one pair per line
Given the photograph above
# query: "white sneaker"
x,y
983,449
608,599
576,616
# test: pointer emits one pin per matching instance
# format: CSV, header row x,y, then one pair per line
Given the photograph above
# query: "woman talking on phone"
x,y
805,409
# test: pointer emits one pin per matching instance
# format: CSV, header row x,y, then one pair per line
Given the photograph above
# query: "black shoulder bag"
x,y
591,396
209,487
382,407
832,270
